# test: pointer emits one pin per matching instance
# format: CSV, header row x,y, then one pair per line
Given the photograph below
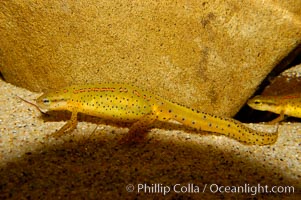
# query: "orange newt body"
x,y
127,103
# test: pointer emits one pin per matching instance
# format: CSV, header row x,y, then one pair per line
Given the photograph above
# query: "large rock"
x,y
210,55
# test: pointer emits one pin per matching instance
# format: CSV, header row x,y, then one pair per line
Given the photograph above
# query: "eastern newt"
x,y
283,105
127,103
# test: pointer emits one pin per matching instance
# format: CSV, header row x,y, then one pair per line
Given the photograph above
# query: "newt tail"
x,y
212,123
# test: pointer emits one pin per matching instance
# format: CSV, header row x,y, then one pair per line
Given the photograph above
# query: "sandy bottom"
x,y
90,163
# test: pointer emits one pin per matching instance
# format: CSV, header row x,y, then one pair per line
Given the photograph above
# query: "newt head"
x,y
264,103
53,101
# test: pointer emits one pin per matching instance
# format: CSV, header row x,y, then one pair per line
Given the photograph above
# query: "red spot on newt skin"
x,y
93,90
123,89
146,98
291,97
136,93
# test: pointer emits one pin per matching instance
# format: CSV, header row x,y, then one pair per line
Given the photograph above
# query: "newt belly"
x,y
283,105
127,103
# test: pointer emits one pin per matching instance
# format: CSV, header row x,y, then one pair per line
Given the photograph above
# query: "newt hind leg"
x,y
139,129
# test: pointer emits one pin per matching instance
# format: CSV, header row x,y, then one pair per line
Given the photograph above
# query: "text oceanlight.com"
x,y
158,188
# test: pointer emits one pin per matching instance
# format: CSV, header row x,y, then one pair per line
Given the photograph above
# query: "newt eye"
x,y
46,101
256,102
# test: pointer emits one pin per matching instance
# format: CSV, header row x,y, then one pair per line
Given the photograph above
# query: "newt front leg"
x,y
278,119
68,127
